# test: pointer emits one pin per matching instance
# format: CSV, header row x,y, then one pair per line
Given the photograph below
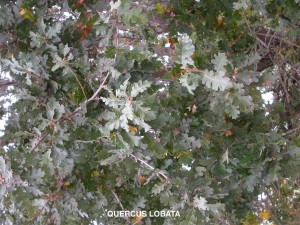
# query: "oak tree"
x,y
150,106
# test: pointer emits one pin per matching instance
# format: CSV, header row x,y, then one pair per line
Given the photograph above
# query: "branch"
x,y
5,83
70,116
91,98
86,101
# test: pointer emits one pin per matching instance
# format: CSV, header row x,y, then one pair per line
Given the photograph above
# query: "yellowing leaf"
x,y
22,11
67,183
26,14
138,218
95,173
160,9
264,215
132,129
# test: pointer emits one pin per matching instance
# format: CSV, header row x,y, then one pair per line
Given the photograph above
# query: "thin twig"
x,y
40,141
262,43
291,131
159,173
78,81
283,85
194,69
273,213
118,200
248,25
99,89
36,215
86,142
149,179
279,38
120,203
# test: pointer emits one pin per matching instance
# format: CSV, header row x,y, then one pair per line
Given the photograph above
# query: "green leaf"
x,y
36,175
135,16
141,123
66,50
251,182
113,102
117,156
121,92
138,204
190,81
115,5
115,73
139,87
225,157
219,62
158,188
200,170
127,114
145,113
216,81
190,142
251,59
184,51
241,4
54,31
216,208
233,112
52,107
5,170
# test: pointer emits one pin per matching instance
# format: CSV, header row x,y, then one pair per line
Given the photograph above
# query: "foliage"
x,y
146,105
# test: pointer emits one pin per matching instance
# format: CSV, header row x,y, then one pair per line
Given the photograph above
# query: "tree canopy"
x,y
150,106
